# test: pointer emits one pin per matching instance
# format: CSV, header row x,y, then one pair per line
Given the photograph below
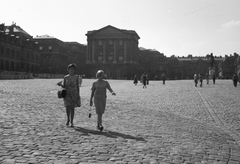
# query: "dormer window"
x,y
40,48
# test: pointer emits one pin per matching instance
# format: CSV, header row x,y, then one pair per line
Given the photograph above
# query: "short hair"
x,y
99,73
72,65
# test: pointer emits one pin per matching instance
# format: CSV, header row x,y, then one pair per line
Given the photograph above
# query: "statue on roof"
x,y
211,60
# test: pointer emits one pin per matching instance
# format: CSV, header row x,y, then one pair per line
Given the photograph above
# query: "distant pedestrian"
x,y
135,80
163,78
147,79
235,79
239,78
80,80
214,78
207,78
141,80
144,81
195,77
155,78
99,89
72,99
200,79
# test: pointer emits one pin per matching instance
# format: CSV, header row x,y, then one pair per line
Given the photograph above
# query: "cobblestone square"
x,y
173,123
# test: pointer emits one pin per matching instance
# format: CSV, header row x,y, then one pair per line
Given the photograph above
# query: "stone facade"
x,y
152,62
228,66
190,65
18,51
56,55
113,50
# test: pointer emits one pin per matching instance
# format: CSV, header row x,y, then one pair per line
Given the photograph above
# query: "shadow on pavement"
x,y
107,133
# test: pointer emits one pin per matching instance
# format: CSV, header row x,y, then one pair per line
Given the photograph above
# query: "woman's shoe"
x,y
67,123
72,124
101,128
98,127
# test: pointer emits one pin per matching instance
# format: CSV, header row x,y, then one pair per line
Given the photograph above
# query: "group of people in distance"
x,y
199,78
72,99
145,80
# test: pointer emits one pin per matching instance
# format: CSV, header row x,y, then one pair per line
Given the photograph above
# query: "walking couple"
x,y
73,100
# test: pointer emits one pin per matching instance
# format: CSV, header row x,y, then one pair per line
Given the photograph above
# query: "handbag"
x,y
62,93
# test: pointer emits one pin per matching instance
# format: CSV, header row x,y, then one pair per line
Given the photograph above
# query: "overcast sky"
x,y
178,27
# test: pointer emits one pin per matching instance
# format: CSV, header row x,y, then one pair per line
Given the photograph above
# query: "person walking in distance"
x,y
200,79
72,99
214,78
99,89
163,78
235,79
147,79
144,81
195,79
207,78
80,80
135,81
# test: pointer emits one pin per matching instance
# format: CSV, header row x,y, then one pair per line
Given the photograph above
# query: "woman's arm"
x,y
92,94
110,89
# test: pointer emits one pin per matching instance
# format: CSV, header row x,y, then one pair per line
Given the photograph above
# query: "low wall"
x,y
15,75
50,76
24,75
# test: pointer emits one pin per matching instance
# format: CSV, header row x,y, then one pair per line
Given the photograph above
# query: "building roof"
x,y
16,29
199,58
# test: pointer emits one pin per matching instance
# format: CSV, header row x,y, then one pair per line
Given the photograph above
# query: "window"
x,y
7,51
99,42
40,48
2,50
50,47
110,58
13,53
120,58
110,42
120,42
99,58
18,56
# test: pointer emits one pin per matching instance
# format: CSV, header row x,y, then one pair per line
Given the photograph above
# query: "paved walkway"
x,y
172,123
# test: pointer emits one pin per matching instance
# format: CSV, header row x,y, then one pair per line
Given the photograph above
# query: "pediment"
x,y
109,31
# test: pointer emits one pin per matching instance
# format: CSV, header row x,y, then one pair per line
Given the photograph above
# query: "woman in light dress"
x,y
99,89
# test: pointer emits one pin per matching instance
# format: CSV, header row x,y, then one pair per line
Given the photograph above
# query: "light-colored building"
x,y
113,50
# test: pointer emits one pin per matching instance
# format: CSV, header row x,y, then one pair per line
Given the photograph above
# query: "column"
x,y
125,51
115,51
104,51
93,52
88,53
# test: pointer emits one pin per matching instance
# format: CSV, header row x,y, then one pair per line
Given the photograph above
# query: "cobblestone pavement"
x,y
172,123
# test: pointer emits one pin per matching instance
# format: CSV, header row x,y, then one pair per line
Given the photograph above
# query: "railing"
x,y
15,75
26,75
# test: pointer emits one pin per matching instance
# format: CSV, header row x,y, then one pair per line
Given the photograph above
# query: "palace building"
x,y
18,51
56,55
113,50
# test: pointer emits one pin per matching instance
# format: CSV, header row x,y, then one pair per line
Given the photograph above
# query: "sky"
x,y
172,27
